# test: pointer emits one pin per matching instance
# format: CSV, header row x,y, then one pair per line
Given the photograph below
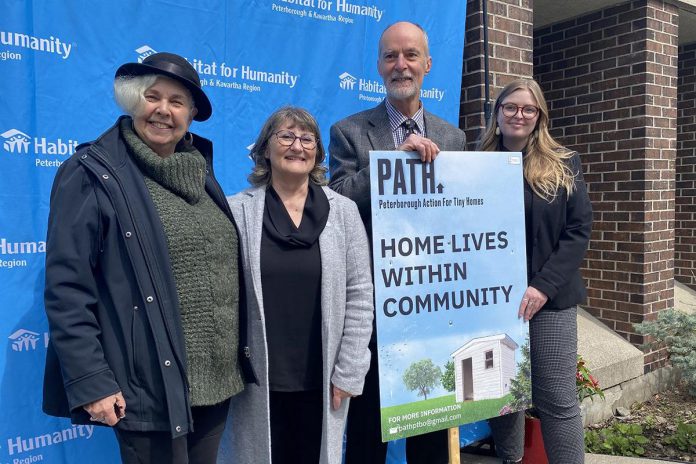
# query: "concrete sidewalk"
x,y
589,459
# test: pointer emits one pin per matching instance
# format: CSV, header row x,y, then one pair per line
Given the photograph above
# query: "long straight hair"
x,y
545,166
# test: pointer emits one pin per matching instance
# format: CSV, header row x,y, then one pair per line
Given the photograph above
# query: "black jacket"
x,y
561,232
110,294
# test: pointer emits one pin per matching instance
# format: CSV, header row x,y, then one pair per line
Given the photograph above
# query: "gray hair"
x,y
261,173
425,38
129,91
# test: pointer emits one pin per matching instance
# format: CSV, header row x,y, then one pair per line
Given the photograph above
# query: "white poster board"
x,y
450,271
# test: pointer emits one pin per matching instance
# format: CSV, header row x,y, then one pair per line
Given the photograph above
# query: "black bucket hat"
x,y
177,68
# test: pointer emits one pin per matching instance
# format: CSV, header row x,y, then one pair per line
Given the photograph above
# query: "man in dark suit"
x,y
400,122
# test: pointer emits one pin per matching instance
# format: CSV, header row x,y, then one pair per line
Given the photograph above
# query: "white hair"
x,y
129,91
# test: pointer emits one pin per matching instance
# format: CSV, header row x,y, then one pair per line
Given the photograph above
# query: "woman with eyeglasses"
x,y
558,221
306,265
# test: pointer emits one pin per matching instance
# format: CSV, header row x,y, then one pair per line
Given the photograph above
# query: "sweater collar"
x,y
183,172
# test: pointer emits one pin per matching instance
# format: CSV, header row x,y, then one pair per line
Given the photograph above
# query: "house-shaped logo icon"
x,y
24,340
16,141
143,52
347,81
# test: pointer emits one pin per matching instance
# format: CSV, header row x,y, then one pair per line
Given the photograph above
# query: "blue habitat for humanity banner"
x,y
450,272
57,62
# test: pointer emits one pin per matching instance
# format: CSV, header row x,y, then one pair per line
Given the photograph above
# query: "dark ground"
x,y
659,418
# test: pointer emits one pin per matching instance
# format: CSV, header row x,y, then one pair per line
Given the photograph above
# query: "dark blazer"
x,y
561,233
110,294
352,139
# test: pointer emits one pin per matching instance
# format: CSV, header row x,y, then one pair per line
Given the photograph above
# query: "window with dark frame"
x,y
489,359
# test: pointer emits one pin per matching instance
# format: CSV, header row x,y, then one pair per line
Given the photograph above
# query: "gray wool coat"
x,y
347,312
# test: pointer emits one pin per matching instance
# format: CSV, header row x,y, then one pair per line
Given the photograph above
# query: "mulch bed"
x,y
659,418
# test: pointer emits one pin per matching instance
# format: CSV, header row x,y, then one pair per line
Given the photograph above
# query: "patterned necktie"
x,y
409,126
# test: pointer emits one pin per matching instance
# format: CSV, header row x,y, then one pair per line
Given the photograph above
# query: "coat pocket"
x,y
147,375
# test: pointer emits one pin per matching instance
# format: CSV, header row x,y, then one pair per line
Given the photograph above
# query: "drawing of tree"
x,y
521,385
448,376
422,376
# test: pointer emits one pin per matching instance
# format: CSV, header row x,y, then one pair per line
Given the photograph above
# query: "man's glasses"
x,y
286,138
528,111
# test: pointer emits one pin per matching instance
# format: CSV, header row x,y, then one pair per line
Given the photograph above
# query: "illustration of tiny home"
x,y
484,367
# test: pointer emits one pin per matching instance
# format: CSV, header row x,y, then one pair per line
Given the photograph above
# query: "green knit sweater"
x,y
202,245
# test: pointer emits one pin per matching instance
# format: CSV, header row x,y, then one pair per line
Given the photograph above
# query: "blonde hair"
x,y
545,166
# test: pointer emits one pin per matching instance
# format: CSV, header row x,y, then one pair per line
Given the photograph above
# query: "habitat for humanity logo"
x,y
17,248
222,74
26,340
372,90
22,444
368,90
10,250
49,45
143,52
19,143
16,141
347,81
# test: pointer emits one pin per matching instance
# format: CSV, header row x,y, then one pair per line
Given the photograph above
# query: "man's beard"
x,y
398,91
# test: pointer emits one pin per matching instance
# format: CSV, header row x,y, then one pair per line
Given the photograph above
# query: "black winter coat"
x,y
110,294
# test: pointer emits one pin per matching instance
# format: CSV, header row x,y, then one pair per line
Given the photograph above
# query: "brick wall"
x,y
610,78
510,56
685,207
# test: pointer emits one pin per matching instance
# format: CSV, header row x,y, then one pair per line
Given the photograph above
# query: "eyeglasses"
x,y
287,138
528,111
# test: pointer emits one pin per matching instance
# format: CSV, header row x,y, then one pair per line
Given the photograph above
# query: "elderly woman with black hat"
x,y
142,276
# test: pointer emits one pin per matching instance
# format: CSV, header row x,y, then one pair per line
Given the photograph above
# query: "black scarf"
x,y
279,226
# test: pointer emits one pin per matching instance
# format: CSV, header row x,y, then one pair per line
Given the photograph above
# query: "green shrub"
x,y
684,437
676,330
